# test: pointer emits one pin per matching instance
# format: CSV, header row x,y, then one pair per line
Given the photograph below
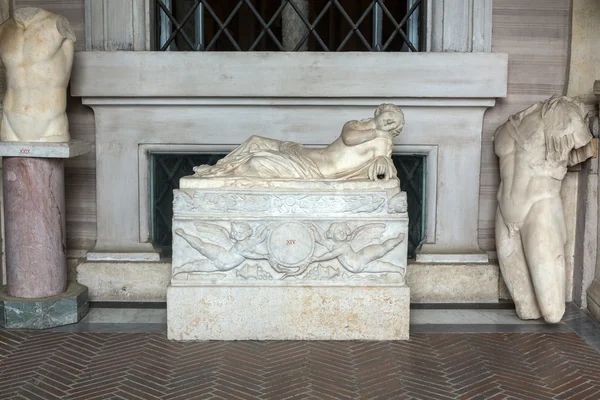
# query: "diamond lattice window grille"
x,y
289,25
168,168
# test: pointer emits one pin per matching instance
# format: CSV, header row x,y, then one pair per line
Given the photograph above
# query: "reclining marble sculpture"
x,y
363,151
535,147
36,48
273,214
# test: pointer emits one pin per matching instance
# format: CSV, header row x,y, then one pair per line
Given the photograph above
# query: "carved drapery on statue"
x,y
362,151
535,147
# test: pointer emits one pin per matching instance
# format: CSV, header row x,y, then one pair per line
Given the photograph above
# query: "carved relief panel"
x,y
225,236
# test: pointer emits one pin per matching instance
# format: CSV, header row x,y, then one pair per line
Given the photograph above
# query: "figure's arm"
x,y
64,28
581,154
330,255
556,157
320,236
354,133
254,255
260,237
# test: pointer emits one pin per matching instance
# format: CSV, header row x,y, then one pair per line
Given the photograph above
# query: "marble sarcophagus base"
x,y
288,260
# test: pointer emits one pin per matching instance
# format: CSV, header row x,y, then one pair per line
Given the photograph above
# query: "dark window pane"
x,y
289,25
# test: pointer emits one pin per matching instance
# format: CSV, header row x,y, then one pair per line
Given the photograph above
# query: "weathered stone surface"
x,y
34,212
429,283
453,283
347,232
293,312
119,281
72,148
66,308
535,147
280,241
297,260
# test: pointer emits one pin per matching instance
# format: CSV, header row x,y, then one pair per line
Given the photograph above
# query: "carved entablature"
x,y
211,202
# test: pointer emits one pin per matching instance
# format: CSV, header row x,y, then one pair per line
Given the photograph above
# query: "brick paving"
x,y
51,365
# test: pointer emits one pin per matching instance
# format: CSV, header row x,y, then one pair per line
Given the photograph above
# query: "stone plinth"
x,y
297,260
72,148
288,312
45,312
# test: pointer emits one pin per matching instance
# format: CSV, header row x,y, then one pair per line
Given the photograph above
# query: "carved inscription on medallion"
x,y
291,244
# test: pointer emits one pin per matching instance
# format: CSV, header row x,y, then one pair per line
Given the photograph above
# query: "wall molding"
x,y
459,25
112,25
452,25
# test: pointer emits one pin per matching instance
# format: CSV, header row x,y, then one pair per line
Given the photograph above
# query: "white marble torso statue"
x,y
535,147
36,48
363,151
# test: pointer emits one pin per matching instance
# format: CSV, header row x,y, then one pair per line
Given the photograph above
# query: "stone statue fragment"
x,y
36,48
535,147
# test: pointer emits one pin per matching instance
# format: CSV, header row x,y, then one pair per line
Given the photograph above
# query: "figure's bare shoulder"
x,y
504,143
358,124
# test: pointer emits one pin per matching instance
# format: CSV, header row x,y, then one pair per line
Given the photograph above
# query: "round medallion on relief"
x,y
291,244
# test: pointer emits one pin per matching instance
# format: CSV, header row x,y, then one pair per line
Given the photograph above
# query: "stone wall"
x,y
535,34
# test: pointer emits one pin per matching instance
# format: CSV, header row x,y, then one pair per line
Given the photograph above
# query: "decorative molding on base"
x,y
593,299
72,148
480,258
429,283
123,257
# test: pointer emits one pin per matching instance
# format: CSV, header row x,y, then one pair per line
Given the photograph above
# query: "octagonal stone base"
x,y
46,312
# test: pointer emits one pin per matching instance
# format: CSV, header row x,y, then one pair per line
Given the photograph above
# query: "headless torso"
x,y
535,147
36,48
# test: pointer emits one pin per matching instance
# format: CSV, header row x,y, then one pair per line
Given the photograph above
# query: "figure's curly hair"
x,y
337,226
240,230
387,107
563,109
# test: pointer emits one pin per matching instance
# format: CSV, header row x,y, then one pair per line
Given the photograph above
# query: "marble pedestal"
x,y
34,213
288,260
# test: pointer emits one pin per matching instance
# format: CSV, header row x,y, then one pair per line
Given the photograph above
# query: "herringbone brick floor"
x,y
51,365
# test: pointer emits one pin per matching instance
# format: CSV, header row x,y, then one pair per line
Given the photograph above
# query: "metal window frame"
x,y
413,28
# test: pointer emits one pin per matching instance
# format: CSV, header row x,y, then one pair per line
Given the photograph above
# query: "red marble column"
x,y
34,214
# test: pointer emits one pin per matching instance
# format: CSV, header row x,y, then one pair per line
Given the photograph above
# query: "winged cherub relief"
x,y
228,248
341,243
